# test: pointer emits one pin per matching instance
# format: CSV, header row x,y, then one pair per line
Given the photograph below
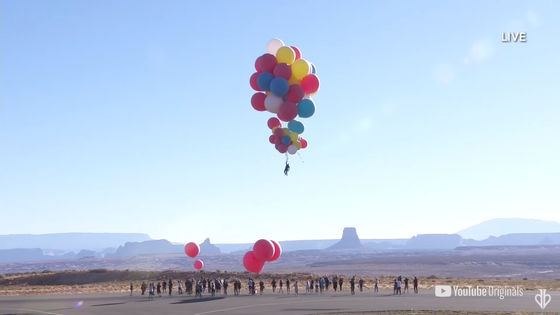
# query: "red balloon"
x,y
282,148
278,132
251,263
253,81
288,111
258,64
310,83
272,139
264,249
277,139
257,100
295,93
198,264
267,63
282,70
273,122
277,251
192,249
303,143
298,53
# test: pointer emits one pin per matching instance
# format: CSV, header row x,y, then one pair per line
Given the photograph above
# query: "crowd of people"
x,y
317,285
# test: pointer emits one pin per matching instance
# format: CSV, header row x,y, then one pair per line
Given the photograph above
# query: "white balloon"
x,y
273,45
272,103
292,149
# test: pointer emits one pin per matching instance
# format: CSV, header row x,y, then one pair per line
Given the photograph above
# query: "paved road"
x,y
266,304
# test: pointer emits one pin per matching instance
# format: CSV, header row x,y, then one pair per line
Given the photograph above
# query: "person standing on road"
x,y
170,285
273,283
281,290
164,286
334,283
143,287
296,288
261,287
405,285
361,284
340,282
376,286
131,288
415,284
352,285
158,288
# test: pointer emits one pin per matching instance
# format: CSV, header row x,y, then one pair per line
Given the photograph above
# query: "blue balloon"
x,y
313,70
279,86
296,126
263,80
306,108
286,140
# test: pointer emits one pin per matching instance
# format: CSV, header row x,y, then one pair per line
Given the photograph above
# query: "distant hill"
x,y
503,226
434,241
70,241
153,247
207,248
349,240
21,255
517,239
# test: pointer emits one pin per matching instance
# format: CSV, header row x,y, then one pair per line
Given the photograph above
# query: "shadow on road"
x,y
204,299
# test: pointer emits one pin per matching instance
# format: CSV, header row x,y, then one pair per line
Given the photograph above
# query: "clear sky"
x,y
135,116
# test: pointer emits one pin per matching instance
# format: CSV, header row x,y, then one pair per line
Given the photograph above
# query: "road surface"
x,y
267,304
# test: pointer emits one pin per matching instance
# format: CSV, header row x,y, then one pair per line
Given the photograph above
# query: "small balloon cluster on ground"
x,y
192,250
263,251
284,82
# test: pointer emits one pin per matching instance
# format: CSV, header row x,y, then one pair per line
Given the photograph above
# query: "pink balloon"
x,y
282,70
264,249
253,81
267,62
303,143
192,249
198,264
273,121
251,263
295,93
277,139
298,53
288,111
258,64
257,100
310,83
277,251
282,148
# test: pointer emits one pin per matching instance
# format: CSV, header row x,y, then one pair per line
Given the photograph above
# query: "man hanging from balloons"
x,y
284,82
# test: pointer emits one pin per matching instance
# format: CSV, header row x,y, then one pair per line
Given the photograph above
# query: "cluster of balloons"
x,y
284,82
263,251
192,250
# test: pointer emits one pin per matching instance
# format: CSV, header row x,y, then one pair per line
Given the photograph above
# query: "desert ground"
x,y
101,291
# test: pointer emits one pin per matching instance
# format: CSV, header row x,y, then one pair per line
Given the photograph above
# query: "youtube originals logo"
x,y
443,290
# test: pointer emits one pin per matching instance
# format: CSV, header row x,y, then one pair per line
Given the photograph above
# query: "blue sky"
x,y
135,116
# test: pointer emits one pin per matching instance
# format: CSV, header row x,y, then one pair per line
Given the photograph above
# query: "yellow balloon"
x,y
285,55
300,68
286,131
294,136
293,80
297,145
